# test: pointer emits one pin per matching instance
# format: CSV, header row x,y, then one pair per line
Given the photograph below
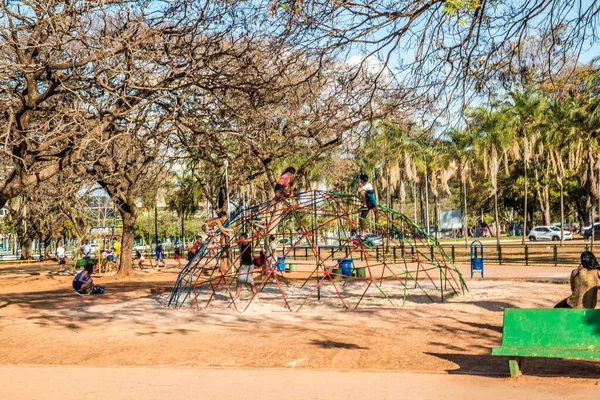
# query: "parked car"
x,y
141,247
587,232
373,240
548,232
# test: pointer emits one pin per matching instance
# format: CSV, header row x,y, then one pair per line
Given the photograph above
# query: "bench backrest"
x,y
538,327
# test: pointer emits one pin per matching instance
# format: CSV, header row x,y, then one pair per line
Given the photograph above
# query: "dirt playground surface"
x,y
42,322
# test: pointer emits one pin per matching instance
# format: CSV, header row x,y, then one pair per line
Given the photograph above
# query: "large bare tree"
x,y
447,51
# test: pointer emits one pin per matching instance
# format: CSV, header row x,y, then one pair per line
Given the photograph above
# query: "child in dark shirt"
x,y
246,267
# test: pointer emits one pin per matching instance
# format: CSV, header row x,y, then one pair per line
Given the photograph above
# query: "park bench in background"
x,y
549,333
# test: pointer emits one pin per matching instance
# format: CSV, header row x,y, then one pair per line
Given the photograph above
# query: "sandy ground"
x,y
300,384
42,322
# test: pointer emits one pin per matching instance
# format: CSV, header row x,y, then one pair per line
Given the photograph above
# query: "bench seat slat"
x,y
547,352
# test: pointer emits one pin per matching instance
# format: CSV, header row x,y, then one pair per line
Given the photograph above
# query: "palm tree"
x,y
521,116
459,146
495,142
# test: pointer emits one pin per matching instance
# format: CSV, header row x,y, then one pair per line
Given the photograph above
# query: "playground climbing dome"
x,y
320,260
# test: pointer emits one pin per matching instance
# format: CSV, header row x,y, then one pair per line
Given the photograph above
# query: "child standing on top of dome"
x,y
367,197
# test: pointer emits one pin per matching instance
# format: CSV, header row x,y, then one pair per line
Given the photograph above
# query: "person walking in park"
x,y
159,254
86,249
246,268
61,256
177,252
271,253
584,282
367,197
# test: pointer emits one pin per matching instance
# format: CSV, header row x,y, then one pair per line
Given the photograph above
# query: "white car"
x,y
548,232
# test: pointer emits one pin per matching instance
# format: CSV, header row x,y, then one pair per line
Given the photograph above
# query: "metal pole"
x,y
226,164
426,195
316,239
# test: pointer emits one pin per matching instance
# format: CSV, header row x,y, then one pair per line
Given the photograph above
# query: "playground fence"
x,y
540,254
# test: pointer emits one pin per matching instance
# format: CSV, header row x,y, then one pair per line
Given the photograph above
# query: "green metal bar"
x,y
526,255
453,254
394,255
555,255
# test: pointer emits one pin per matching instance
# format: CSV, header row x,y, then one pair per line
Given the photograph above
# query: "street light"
x,y
226,164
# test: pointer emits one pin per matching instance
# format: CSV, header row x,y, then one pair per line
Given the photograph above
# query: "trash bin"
x,y
280,266
345,264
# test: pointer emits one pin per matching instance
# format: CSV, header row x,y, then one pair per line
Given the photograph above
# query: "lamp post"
x,y
226,164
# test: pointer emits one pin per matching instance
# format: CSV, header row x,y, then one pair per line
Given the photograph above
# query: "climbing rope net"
x,y
320,258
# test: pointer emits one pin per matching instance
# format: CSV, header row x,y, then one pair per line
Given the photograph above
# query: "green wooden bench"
x,y
548,333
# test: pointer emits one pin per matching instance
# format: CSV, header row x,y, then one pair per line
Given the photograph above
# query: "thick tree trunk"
x,y
26,243
47,248
126,262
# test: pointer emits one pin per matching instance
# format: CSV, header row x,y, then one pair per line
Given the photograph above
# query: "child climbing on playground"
x,y
367,197
197,244
209,227
285,185
246,268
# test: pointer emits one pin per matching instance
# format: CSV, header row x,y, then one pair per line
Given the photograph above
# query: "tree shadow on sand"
x,y
330,344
